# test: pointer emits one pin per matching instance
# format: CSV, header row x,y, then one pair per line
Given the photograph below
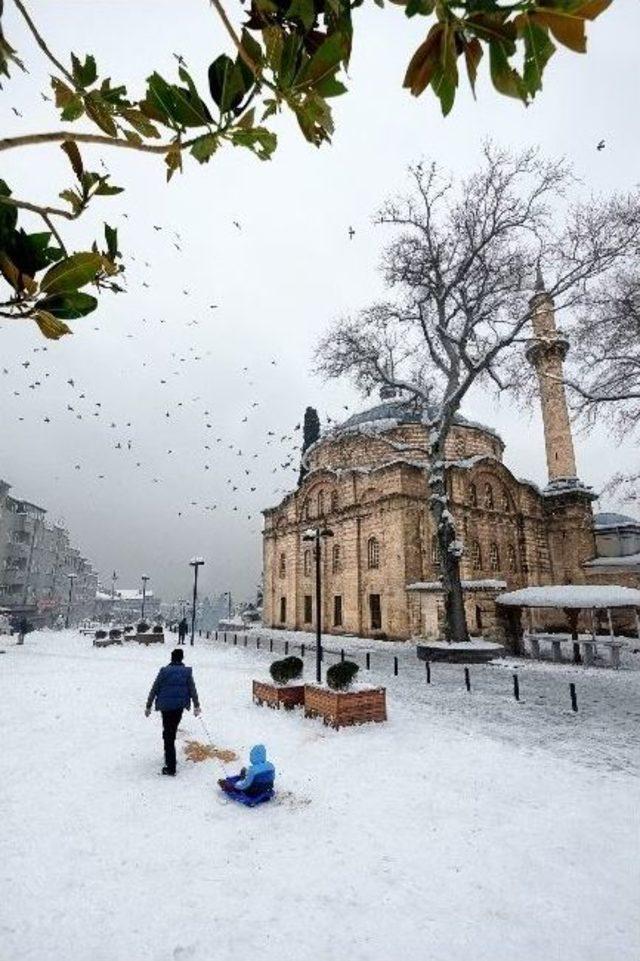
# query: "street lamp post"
x,y
71,580
315,535
145,578
195,562
228,593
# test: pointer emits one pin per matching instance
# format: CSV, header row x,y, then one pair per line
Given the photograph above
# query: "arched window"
x,y
307,510
307,563
488,496
476,556
334,501
494,557
336,560
283,565
320,503
473,495
511,557
373,552
505,503
435,551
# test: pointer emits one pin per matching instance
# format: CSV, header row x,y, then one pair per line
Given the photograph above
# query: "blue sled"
x,y
248,800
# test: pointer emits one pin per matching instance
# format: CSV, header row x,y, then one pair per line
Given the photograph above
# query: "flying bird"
x,y
601,145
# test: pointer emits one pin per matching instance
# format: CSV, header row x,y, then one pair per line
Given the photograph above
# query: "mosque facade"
x,y
379,552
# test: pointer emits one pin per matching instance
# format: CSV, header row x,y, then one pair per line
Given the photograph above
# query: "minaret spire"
x,y
546,353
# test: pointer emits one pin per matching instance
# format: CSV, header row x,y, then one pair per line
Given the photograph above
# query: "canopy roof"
x,y
572,595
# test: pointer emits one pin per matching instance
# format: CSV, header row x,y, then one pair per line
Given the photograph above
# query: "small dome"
x,y
612,519
403,411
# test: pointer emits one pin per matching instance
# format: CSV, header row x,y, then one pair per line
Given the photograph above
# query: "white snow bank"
x,y
572,595
489,584
625,560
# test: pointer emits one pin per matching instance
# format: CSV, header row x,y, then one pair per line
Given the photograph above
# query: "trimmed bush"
x,y
100,635
341,675
129,629
158,629
115,633
286,670
143,627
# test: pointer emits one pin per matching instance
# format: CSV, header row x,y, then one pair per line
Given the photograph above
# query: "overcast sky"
x,y
279,280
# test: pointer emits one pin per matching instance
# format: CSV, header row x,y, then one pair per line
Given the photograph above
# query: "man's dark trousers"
x,y
170,722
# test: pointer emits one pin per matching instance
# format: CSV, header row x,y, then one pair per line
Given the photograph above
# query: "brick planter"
x,y
342,708
149,638
275,696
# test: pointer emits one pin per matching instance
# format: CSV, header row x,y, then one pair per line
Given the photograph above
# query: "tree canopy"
x,y
287,55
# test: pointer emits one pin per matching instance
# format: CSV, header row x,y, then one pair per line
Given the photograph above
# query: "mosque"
x,y
380,563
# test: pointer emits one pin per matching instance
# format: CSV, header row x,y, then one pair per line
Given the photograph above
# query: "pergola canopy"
x,y
572,596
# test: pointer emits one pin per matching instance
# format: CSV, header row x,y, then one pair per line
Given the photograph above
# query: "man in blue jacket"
x,y
173,690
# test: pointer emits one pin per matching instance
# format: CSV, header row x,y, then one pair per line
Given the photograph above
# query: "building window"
x,y
283,609
334,501
320,503
511,557
337,610
473,495
504,500
476,556
488,496
336,560
373,553
494,557
435,551
282,567
375,612
307,510
307,563
308,609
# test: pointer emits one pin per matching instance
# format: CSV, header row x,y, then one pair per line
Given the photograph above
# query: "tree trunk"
x,y
450,550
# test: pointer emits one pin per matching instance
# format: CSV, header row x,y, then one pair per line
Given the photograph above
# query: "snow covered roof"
x,y
605,520
124,595
404,411
572,595
624,560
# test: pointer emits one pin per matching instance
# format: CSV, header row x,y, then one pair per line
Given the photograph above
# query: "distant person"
x,y
173,690
183,630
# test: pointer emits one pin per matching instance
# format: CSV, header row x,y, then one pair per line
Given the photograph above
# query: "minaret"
x,y
546,352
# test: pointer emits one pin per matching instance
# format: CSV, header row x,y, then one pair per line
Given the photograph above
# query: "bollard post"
x,y
271,645
208,634
342,653
286,647
235,640
258,643
225,637
428,667
199,633
246,639
395,666
216,635
302,650
574,699
467,679
368,660
516,687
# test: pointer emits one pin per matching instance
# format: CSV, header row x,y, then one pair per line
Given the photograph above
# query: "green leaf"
x,y
111,238
226,83
8,55
72,197
274,43
140,123
505,79
330,54
173,160
314,118
204,147
424,61
70,305
85,73
73,109
290,61
50,326
71,273
105,189
176,103
423,7
567,28
8,215
72,152
259,140
473,53
100,113
537,50
62,93
445,75
132,137
302,10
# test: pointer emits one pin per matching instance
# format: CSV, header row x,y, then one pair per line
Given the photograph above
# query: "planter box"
x,y
106,641
275,696
342,708
149,638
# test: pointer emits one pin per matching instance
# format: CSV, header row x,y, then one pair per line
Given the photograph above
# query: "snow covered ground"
x,y
467,827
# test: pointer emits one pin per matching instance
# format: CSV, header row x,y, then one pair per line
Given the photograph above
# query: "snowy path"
x,y
440,835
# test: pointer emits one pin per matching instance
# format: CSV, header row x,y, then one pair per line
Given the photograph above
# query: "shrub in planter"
x,y
158,629
129,629
143,627
100,635
341,675
115,633
286,670
295,666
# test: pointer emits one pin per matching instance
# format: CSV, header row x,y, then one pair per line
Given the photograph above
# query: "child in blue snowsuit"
x,y
255,780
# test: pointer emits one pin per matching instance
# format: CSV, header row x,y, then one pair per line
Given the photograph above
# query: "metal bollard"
x,y
574,699
367,660
428,667
467,679
516,687
286,647
395,666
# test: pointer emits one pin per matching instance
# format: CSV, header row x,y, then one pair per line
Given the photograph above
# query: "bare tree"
x,y
462,266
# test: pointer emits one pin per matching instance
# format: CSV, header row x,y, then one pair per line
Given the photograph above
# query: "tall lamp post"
x,y
228,595
315,535
195,562
71,577
145,578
